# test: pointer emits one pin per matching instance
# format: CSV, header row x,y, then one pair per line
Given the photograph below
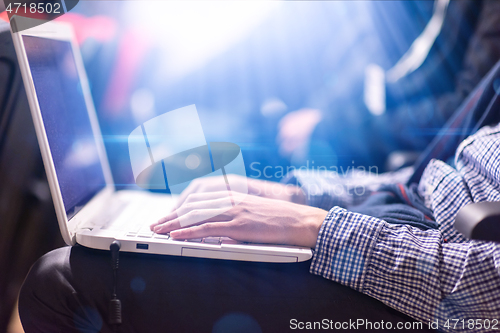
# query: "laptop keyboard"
x,y
128,223
206,240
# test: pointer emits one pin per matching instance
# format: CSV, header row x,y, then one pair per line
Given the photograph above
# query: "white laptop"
x,y
89,209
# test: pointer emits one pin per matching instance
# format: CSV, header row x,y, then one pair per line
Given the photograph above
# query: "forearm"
x,y
411,270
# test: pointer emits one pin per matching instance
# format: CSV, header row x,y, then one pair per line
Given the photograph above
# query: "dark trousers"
x,y
69,289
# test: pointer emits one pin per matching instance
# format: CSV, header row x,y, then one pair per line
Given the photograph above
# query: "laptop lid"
x,y
74,156
66,123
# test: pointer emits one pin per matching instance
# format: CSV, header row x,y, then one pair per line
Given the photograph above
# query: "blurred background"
x,y
245,65
337,84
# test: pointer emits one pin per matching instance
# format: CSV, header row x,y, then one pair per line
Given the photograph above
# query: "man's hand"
x,y
295,130
255,219
255,187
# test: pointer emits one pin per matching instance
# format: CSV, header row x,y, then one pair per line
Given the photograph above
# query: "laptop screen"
x,y
66,120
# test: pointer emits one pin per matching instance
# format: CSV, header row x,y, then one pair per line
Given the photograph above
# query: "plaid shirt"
x,y
429,275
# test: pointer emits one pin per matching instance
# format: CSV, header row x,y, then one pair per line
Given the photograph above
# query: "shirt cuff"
x,y
344,246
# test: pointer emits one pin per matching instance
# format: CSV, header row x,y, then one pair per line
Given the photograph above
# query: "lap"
x,y
69,290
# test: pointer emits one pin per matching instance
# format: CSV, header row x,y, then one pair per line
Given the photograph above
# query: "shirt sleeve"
x,y
411,270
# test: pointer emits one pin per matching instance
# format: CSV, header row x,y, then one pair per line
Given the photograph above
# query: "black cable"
x,y
115,306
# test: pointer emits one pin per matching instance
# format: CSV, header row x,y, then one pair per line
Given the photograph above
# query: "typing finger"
x,y
204,196
192,188
192,218
203,185
170,216
166,226
203,230
207,205
223,203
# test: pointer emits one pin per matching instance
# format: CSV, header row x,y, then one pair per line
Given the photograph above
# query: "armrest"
x,y
480,220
